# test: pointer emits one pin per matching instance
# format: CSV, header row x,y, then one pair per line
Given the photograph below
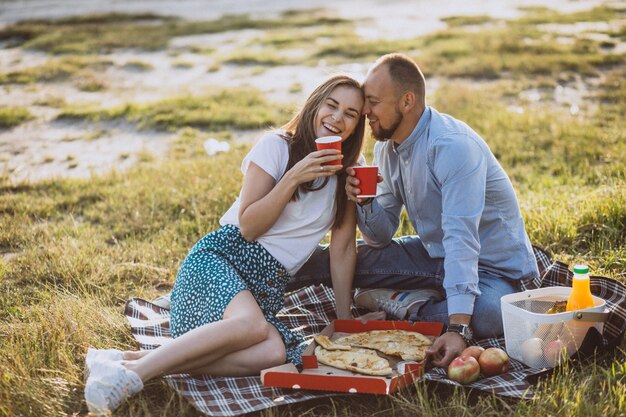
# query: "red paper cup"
x,y
368,177
329,142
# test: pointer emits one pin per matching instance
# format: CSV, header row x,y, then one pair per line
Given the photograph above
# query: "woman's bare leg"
x,y
243,326
246,362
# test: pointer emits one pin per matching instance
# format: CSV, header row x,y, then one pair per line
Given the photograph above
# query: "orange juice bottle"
x,y
580,297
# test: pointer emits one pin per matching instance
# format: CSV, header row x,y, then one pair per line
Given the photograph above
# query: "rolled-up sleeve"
x,y
378,224
461,169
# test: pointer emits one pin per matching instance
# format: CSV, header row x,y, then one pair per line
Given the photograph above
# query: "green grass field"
x,y
73,251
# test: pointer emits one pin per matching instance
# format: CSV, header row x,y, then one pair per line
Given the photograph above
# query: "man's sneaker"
x,y
109,384
163,301
395,303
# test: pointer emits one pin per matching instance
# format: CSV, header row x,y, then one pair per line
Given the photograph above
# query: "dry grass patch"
x,y
13,116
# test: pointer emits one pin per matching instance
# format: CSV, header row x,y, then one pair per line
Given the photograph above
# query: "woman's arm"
x,y
262,199
343,261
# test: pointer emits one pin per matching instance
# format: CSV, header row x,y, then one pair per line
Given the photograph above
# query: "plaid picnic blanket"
x,y
311,309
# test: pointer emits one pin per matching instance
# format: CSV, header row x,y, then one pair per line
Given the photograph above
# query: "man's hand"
x,y
352,186
445,348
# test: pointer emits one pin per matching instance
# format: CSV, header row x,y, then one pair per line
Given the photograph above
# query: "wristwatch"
x,y
463,329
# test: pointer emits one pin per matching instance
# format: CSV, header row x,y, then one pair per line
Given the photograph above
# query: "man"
x,y
471,242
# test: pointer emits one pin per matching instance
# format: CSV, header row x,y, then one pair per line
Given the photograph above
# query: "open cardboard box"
x,y
317,376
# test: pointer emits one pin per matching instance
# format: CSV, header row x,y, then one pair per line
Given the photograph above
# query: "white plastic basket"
x,y
541,340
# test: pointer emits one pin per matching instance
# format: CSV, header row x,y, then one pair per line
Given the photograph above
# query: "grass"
x,y
519,49
541,15
139,66
54,70
13,116
513,51
252,58
304,37
234,108
72,251
101,34
90,82
467,20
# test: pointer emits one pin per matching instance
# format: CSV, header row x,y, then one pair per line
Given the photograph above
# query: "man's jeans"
x,y
405,265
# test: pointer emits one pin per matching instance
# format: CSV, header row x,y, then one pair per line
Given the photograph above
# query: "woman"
x,y
231,284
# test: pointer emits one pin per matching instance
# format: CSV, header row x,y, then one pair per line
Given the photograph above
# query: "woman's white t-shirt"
x,y
303,223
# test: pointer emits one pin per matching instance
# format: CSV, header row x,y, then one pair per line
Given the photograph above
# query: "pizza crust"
x,y
328,344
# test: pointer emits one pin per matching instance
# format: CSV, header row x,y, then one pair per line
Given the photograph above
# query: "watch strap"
x,y
462,329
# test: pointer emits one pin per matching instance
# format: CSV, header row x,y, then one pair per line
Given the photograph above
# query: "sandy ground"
x,y
43,148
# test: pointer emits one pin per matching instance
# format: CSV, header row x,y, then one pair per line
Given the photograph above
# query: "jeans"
x,y
405,265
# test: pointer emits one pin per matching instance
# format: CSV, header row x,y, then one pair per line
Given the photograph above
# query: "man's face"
x,y
381,104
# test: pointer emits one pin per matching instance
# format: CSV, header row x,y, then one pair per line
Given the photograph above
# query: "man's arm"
x,y
460,168
378,218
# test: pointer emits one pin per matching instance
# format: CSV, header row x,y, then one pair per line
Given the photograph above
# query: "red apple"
x,y
493,361
473,351
464,369
555,352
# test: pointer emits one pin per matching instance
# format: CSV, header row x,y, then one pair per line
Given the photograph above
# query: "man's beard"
x,y
384,134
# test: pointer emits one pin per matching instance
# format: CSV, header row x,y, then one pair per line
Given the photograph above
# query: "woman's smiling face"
x,y
339,114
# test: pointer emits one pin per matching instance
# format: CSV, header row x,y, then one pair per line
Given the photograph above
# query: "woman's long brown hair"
x,y
300,133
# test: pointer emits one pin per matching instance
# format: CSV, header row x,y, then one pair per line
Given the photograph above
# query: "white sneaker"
x,y
102,355
395,303
163,301
109,384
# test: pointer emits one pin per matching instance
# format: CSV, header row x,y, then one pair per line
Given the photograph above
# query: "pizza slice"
x,y
407,345
363,361
328,344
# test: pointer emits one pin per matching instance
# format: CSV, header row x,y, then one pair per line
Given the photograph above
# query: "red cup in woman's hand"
x,y
329,142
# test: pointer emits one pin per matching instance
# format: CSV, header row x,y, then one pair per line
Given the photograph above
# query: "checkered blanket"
x,y
312,308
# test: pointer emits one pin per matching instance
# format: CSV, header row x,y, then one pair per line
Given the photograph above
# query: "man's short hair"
x,y
405,74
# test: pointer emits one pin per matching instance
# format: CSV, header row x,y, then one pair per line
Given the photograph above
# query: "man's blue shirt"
x,y
460,202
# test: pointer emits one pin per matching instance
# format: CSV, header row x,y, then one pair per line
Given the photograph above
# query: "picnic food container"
x,y
539,339
316,376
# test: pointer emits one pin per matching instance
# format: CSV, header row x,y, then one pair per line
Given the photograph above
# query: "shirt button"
x,y
270,283
280,273
263,295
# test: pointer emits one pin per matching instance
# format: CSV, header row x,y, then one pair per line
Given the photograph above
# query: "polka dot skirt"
x,y
216,269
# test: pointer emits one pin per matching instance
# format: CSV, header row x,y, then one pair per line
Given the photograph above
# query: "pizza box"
x,y
317,376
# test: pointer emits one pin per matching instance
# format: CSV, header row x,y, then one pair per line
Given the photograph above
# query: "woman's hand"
x,y
312,166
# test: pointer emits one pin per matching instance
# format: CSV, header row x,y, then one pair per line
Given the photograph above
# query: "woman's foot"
x,y
101,355
108,385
